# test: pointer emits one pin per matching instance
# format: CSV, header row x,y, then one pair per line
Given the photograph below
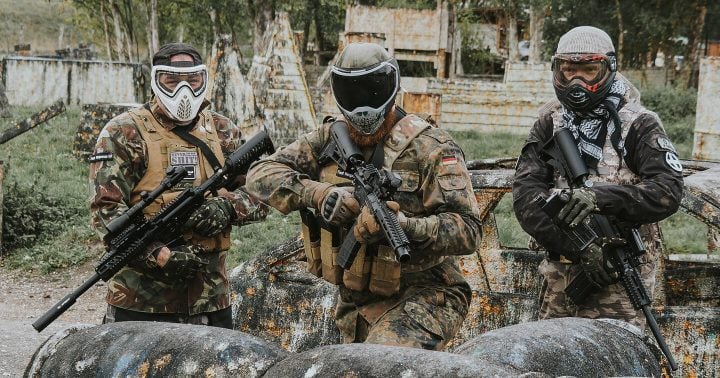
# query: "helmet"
x,y
181,85
365,80
584,68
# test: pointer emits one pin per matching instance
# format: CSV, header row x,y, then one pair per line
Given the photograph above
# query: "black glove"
x,y
184,263
213,216
582,202
596,266
339,206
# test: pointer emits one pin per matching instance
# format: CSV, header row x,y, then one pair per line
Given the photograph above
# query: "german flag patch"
x,y
449,160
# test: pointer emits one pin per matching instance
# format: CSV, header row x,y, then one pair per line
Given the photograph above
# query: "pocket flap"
x,y
410,181
421,315
452,182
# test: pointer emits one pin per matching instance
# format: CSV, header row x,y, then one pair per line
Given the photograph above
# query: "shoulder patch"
x,y
673,161
665,144
100,156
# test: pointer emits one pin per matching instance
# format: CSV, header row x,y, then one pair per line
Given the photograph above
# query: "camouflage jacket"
x,y
436,193
118,164
647,186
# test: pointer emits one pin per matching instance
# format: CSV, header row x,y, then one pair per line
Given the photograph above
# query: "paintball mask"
x,y
584,68
364,92
180,88
582,81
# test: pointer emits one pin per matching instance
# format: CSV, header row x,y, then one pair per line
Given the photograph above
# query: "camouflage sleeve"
x,y
116,166
453,226
652,156
533,178
248,208
281,179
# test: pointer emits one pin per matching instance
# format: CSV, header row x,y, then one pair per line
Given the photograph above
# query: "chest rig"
x,y
375,268
164,149
612,170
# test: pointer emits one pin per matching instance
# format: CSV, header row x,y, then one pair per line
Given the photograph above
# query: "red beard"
x,y
363,140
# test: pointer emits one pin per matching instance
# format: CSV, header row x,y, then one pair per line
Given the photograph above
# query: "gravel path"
x,y
24,297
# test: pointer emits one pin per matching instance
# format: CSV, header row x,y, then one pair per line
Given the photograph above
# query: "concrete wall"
x,y
40,81
707,117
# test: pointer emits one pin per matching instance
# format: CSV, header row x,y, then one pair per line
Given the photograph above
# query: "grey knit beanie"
x,y
585,39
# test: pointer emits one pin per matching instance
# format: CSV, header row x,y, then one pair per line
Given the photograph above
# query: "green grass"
x,y
38,22
251,239
45,213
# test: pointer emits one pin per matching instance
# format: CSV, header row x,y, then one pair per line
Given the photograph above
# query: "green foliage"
x,y
45,215
251,239
671,104
477,145
684,233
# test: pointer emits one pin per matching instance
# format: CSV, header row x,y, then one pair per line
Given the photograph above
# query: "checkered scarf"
x,y
591,128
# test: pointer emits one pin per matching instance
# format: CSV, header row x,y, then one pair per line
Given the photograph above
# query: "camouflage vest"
x,y
165,148
610,170
375,268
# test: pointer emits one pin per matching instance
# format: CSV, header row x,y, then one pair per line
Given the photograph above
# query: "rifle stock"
x,y
129,234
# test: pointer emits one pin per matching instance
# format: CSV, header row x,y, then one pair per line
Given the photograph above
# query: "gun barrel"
x,y
53,313
658,337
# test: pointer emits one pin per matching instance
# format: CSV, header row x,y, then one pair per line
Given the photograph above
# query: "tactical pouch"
x,y
357,277
331,272
385,273
312,252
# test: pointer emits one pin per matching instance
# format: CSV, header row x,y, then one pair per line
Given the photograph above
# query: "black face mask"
x,y
581,93
370,87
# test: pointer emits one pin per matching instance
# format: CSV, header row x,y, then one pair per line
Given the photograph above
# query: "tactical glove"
x,y
339,206
213,216
582,202
596,266
367,229
183,264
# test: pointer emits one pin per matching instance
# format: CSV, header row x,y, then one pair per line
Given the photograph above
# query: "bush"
x,y
671,104
29,215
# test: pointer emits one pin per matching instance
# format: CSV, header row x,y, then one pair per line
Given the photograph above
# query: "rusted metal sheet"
x,y
40,81
707,118
2,180
278,300
150,349
425,103
404,29
94,118
278,81
40,117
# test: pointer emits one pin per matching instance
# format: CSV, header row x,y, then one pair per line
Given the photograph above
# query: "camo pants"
x,y
426,314
610,302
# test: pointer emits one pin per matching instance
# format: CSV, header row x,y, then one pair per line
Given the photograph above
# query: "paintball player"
x,y
420,303
634,172
186,282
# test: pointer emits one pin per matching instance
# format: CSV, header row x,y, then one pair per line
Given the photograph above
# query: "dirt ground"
x,y
25,297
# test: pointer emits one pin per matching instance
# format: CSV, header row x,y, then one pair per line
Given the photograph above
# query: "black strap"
x,y
183,133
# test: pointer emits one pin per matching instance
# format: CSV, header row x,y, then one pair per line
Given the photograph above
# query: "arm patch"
x,y
100,156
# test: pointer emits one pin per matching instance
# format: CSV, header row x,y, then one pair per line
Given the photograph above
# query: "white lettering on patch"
x,y
183,158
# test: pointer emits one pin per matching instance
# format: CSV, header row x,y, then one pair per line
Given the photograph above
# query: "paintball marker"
x,y
562,152
372,188
129,234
